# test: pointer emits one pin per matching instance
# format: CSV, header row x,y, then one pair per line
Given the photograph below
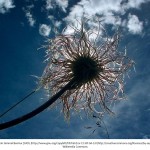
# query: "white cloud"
x,y
77,10
63,4
5,5
29,15
49,4
30,6
101,7
134,25
135,3
51,17
57,23
30,18
110,11
44,30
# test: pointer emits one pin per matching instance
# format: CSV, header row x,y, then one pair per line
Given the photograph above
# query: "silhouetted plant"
x,y
94,63
86,68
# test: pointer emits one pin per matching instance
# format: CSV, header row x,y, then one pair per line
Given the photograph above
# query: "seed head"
x,y
93,62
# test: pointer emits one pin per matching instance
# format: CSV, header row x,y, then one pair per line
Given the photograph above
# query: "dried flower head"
x,y
91,61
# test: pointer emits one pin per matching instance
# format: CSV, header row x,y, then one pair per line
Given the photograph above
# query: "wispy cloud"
x,y
49,4
30,18
29,15
63,4
5,5
134,3
44,30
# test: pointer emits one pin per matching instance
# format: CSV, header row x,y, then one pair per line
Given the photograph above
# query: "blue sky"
x,y
24,27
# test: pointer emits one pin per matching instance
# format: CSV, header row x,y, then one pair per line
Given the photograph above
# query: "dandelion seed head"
x,y
96,66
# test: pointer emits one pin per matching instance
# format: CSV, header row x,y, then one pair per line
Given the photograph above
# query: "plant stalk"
x,y
37,110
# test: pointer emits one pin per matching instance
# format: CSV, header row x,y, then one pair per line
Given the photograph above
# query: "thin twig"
x,y
4,113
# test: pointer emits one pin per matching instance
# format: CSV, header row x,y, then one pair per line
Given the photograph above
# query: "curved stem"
x,y
37,110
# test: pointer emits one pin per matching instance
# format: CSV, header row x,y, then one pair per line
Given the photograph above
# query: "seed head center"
x,y
85,69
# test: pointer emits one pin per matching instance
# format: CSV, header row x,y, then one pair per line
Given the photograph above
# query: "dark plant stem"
x,y
37,110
